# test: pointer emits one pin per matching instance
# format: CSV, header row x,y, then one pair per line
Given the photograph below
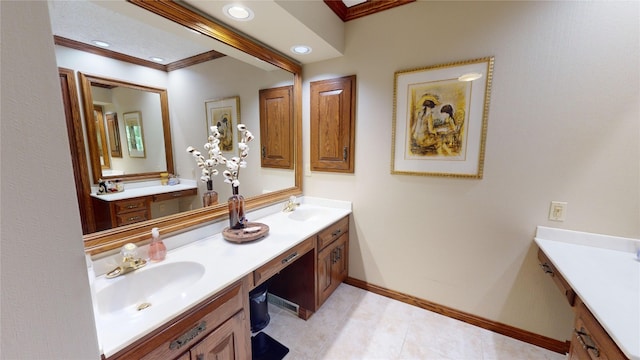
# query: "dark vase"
x,y
236,210
210,197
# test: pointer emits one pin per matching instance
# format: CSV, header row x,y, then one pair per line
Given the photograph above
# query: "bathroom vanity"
x,y
134,204
599,276
195,304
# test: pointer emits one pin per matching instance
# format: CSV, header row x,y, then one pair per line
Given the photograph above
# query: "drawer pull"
x,y
547,268
290,257
336,232
586,342
132,206
188,336
134,218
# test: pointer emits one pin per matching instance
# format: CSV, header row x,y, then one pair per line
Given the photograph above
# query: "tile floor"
x,y
357,324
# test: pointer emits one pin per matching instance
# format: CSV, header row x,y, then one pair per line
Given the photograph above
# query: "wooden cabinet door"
x,y
276,127
333,124
227,342
332,267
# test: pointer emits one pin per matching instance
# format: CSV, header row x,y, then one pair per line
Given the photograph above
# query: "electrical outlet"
x,y
557,211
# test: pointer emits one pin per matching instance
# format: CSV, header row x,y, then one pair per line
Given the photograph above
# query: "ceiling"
x,y
279,23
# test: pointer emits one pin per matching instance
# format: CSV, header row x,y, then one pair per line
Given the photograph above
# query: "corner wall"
x,y
563,125
46,303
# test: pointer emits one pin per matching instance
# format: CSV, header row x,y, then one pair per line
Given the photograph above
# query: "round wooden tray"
x,y
253,231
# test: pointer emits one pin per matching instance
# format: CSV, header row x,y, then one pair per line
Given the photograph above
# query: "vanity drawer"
x,y
127,206
590,340
175,194
179,335
132,217
562,284
328,235
283,260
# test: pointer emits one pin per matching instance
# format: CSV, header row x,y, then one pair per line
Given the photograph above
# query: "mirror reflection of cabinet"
x,y
276,127
101,137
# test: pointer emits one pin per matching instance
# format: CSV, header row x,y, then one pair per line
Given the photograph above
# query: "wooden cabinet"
x,y
276,127
217,328
333,254
589,340
313,277
562,284
111,214
222,343
332,121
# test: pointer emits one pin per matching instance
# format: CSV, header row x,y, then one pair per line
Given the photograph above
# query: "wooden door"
x,y
276,127
332,267
227,342
333,124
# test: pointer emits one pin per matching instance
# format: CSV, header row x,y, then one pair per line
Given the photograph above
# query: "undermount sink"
x,y
306,214
143,288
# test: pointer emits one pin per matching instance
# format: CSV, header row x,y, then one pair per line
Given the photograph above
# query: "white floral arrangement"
x,y
233,165
237,162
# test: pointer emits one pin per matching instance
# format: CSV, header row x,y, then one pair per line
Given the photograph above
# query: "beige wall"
x,y
46,304
563,125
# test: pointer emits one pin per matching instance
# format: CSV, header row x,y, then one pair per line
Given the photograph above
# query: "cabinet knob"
x,y
547,268
290,257
587,343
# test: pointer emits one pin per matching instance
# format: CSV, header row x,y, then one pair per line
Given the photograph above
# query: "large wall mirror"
x,y
246,68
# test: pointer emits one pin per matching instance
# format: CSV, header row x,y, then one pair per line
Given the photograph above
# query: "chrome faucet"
x,y
291,204
129,263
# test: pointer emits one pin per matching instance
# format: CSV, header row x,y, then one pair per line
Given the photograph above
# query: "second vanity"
x,y
196,301
134,204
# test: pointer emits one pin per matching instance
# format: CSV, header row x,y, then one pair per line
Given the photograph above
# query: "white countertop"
x,y
131,191
224,263
605,273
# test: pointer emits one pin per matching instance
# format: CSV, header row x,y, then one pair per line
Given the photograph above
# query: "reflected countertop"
x,y
133,190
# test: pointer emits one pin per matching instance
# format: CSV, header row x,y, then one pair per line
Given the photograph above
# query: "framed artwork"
x,y
225,113
135,134
113,131
440,119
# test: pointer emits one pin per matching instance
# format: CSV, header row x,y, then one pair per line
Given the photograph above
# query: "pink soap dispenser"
x,y
157,250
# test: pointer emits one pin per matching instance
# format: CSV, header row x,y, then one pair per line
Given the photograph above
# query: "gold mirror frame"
x,y
86,81
108,240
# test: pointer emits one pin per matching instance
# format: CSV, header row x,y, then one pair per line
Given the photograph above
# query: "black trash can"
x,y
259,308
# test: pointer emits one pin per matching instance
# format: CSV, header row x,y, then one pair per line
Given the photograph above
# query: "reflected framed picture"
x,y
224,113
135,134
440,119
113,131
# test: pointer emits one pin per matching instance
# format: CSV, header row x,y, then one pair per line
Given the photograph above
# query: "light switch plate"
x,y
557,211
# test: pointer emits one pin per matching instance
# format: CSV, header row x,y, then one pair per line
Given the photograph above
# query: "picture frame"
x,y
135,134
440,119
225,113
113,131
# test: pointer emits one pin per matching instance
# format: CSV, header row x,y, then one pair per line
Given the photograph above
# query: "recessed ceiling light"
x,y
156,59
301,49
470,77
238,12
100,43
